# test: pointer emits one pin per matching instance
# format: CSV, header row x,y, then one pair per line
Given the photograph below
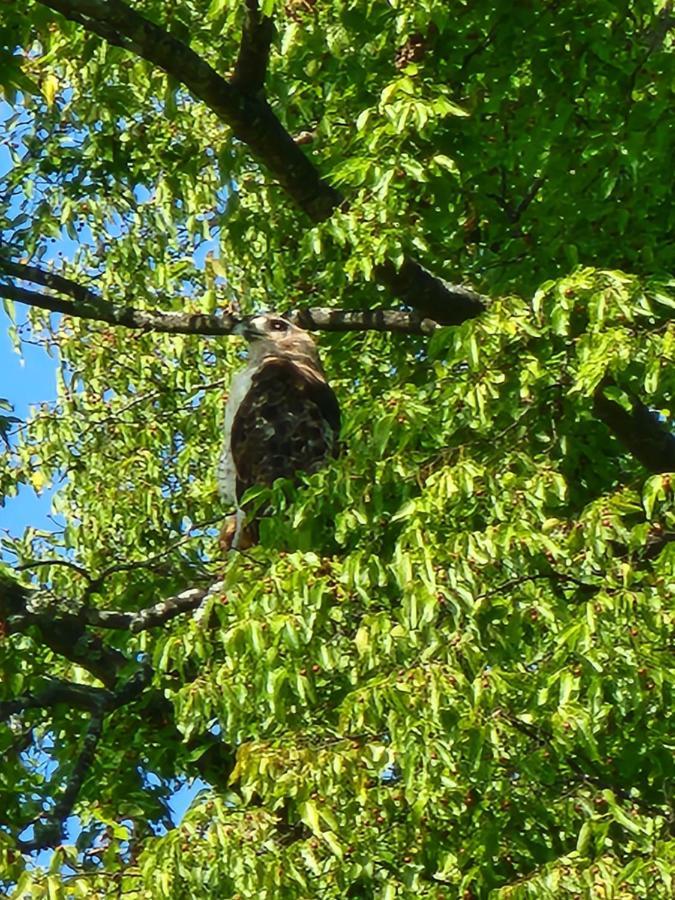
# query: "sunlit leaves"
x,y
444,671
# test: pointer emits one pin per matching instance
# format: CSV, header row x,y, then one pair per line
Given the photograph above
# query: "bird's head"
x,y
270,335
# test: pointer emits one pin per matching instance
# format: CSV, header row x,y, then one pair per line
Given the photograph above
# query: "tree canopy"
x,y
446,669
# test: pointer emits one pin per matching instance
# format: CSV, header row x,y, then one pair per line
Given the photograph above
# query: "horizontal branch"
x,y
77,696
640,431
39,563
91,306
69,631
124,316
187,601
324,318
52,280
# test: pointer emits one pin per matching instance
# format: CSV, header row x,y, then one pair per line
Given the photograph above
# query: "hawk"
x,y
281,417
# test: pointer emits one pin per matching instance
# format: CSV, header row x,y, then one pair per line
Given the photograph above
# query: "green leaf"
x,y
446,163
584,839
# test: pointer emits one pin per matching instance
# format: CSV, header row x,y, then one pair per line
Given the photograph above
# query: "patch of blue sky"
x,y
26,380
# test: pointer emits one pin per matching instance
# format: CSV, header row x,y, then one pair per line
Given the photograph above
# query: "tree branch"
x,y
38,563
49,279
528,197
91,306
590,772
250,117
65,635
639,431
446,304
158,614
254,50
77,696
124,316
324,318
68,637
253,122
50,831
664,22
559,577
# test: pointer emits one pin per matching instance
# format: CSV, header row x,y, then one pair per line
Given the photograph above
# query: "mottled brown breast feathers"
x,y
288,422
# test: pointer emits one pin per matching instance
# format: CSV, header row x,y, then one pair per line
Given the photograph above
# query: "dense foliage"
x,y
445,671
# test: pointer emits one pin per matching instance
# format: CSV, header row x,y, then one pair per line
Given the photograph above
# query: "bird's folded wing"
x,y
289,421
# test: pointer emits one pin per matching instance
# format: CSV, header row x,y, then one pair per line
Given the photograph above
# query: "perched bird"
x,y
281,417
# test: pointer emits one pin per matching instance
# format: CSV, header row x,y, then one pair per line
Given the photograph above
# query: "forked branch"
x,y
241,104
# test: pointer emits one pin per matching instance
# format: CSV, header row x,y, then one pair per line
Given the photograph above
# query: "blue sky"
x,y
25,381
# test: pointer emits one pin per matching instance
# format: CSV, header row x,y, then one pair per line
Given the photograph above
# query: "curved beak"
x,y
248,329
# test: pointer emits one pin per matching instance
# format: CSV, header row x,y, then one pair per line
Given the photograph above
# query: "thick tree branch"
x,y
77,696
663,23
124,316
250,117
90,306
444,303
254,50
324,318
639,431
65,635
253,122
52,280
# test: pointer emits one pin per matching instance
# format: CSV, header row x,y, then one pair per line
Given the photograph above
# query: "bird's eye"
x,y
279,325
